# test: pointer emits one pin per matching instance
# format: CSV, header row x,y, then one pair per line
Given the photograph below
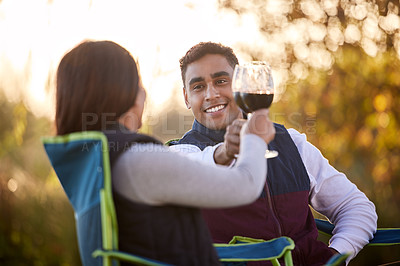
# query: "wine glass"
x,y
253,89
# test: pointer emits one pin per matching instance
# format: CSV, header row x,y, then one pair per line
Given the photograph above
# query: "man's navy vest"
x,y
282,208
171,234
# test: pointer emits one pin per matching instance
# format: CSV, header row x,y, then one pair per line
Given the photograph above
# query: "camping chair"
x,y
81,162
382,237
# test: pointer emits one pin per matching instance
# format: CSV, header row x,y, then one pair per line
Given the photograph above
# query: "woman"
x,y
157,193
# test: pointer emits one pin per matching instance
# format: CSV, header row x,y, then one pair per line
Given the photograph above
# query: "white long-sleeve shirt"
x,y
331,194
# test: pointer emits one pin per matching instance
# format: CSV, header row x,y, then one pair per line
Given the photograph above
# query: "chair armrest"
x,y
124,256
337,259
247,249
382,237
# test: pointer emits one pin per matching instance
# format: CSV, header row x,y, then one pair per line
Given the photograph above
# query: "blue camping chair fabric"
x,y
382,237
78,165
81,162
250,249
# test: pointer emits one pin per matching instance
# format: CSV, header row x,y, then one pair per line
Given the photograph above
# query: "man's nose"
x,y
211,91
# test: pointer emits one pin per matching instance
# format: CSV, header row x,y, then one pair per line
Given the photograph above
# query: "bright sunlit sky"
x,y
35,34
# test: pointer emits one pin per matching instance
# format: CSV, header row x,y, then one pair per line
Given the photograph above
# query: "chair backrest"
x,y
81,162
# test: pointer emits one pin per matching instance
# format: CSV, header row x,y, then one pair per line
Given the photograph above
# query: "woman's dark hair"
x,y
203,48
97,82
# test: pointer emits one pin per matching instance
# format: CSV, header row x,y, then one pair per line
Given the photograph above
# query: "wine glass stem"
x,y
268,153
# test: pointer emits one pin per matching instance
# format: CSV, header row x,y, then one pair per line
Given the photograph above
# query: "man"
x,y
299,176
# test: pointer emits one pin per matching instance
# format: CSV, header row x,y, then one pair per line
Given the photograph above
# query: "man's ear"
x,y
186,98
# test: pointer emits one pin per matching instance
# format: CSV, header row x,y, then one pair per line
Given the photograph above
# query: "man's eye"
x,y
198,87
221,81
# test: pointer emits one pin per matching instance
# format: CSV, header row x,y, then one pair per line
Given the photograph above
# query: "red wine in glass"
x,y
255,101
239,101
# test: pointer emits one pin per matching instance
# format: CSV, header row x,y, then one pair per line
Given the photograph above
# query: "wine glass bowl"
x,y
238,81
257,90
253,89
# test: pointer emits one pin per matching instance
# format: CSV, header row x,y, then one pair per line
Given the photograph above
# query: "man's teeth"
x,y
215,109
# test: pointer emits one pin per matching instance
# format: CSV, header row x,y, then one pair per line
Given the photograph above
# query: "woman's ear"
x,y
130,119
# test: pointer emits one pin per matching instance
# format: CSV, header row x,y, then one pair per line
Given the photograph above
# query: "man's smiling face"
x,y
208,92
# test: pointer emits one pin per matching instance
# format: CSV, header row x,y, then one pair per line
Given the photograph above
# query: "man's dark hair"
x,y
202,49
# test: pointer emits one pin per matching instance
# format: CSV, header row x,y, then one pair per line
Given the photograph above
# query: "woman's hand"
x,y
260,125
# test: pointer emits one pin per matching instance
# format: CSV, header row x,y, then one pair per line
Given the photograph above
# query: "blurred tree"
x,y
37,224
295,35
351,113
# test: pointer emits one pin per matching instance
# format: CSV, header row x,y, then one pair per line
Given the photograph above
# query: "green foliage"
x,y
355,121
37,224
352,115
310,32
